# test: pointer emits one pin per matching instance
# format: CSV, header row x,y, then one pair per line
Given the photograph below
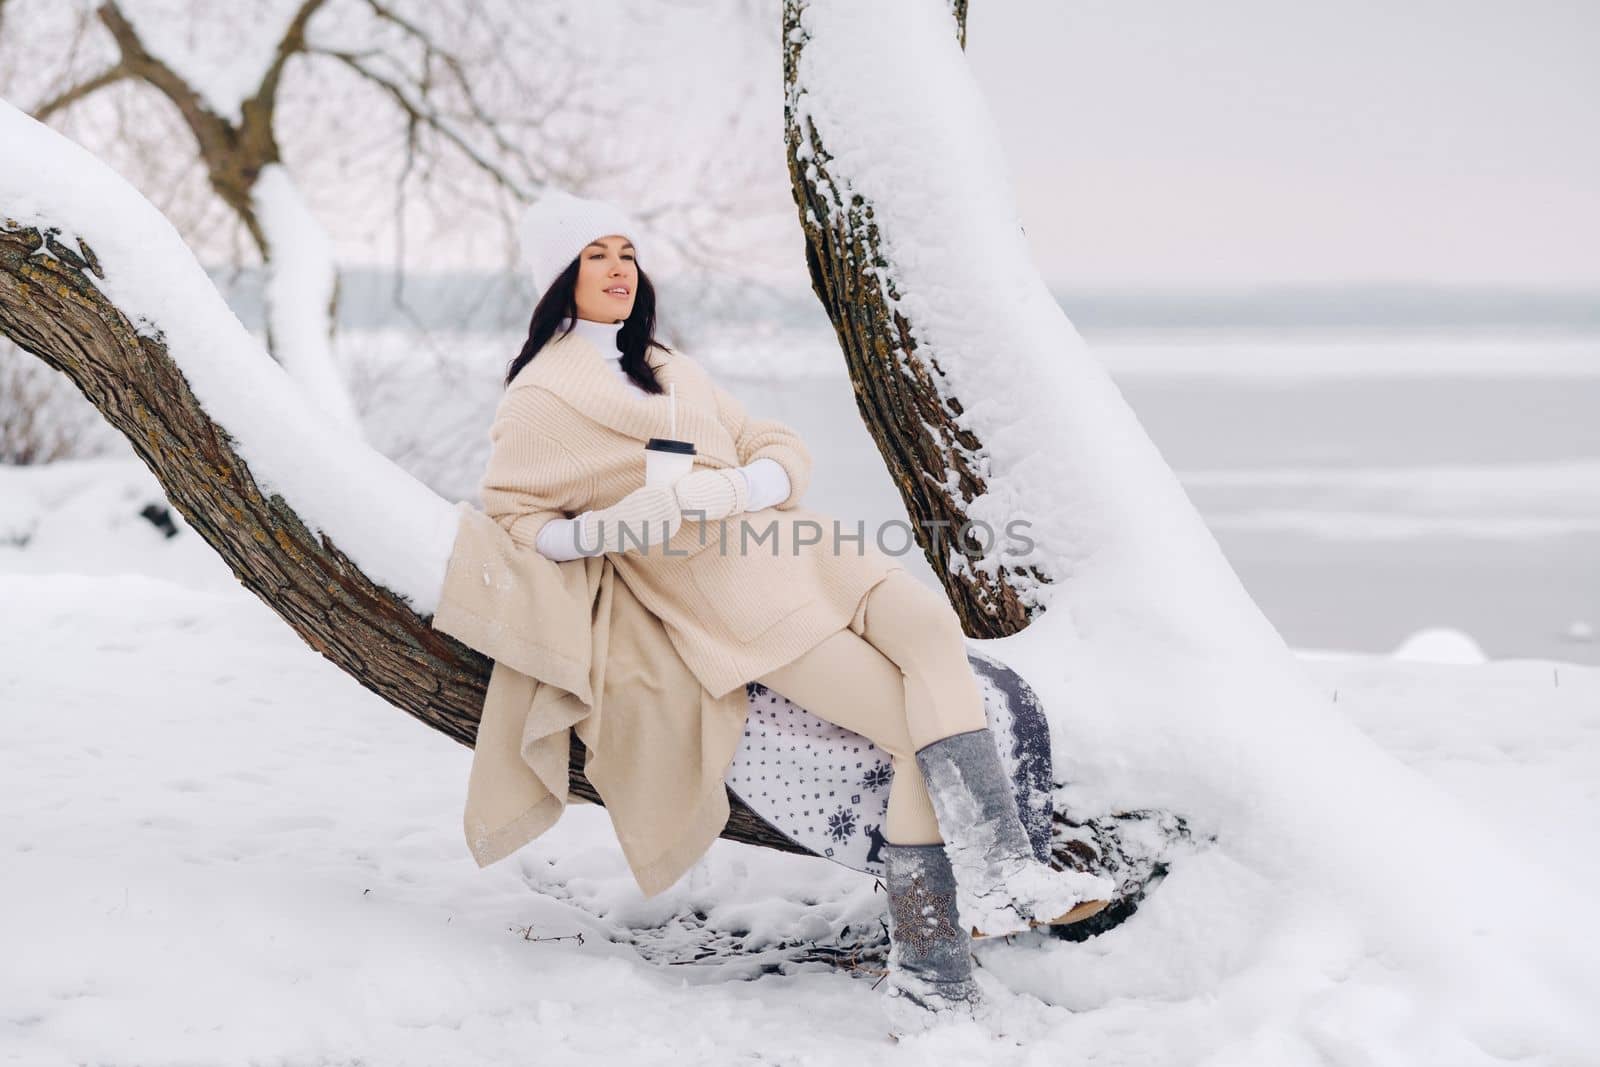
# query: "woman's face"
x,y
607,279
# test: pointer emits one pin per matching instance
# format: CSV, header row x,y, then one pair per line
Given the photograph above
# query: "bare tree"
x,y
469,106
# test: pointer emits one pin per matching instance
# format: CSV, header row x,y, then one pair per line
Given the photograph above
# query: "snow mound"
x,y
1440,644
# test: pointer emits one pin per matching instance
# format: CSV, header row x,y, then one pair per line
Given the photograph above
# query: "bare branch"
x,y
142,64
64,100
418,114
291,43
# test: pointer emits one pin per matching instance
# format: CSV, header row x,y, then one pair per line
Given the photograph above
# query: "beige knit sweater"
x,y
738,596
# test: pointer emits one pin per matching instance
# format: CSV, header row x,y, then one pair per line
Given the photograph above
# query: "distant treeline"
x,y
499,302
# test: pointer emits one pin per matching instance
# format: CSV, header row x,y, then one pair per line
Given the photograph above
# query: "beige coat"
x,y
574,649
648,669
739,596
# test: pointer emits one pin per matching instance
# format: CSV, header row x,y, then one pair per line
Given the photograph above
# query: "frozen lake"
x,y
1362,486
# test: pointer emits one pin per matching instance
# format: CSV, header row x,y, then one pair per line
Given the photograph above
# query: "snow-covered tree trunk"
x,y
1171,689
938,465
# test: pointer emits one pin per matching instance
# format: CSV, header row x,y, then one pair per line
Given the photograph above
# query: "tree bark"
x,y
50,306
917,434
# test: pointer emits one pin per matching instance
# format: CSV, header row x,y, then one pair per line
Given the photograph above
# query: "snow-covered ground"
x,y
221,850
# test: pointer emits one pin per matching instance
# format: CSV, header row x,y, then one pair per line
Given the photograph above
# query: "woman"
x,y
751,586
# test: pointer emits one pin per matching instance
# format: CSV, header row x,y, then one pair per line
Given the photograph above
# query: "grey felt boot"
x,y
930,956
1002,886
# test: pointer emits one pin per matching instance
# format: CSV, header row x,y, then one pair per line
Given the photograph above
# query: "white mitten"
x,y
717,493
645,518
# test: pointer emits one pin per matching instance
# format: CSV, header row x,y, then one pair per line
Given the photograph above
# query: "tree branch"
x,y
291,43
66,99
142,64
419,114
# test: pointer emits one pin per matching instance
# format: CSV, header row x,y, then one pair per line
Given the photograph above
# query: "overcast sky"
x,y
1243,141
1151,142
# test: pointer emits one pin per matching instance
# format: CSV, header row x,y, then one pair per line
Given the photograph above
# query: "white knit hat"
x,y
557,226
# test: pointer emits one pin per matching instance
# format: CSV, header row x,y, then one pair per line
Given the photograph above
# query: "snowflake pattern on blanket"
x,y
827,788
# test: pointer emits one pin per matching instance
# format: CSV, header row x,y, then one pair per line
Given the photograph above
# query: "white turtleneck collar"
x,y
602,334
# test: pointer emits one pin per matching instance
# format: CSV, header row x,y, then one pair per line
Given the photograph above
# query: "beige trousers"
x,y
898,675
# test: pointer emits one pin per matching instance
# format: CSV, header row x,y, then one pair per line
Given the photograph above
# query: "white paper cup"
x,y
666,460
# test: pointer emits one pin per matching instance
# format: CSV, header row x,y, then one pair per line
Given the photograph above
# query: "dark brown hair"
x,y
560,302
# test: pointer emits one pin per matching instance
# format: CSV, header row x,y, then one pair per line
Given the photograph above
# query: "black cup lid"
x,y
667,444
